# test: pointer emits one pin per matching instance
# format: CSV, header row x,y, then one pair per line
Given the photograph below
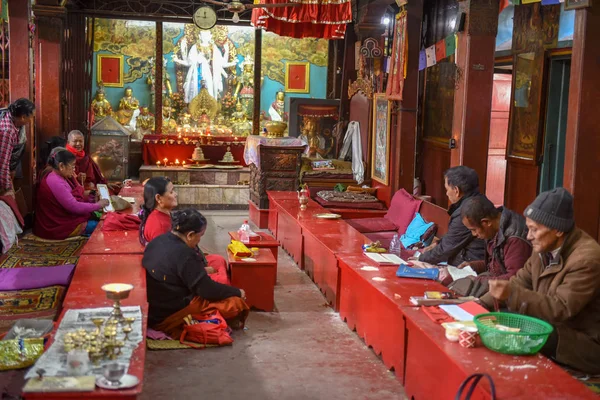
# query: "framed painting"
x,y
575,4
380,161
297,77
110,70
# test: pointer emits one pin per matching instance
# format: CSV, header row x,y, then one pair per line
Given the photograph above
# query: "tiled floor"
x,y
302,351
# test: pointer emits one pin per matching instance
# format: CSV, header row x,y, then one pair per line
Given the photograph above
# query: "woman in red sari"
x,y
159,200
62,210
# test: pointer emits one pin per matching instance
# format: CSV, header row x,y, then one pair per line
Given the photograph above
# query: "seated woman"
x,y
176,280
59,213
159,200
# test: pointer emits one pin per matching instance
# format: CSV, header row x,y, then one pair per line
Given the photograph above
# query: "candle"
x,y
166,161
183,163
158,163
235,139
177,161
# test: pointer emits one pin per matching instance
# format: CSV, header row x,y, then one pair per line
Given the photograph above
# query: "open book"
x,y
385,258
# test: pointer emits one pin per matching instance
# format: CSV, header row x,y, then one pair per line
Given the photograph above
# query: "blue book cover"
x,y
404,271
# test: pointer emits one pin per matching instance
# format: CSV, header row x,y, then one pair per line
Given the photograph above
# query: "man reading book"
x,y
505,236
560,282
457,245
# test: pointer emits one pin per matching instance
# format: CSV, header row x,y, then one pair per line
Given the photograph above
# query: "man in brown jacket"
x,y
560,282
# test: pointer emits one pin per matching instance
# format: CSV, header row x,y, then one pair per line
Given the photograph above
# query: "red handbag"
x,y
206,329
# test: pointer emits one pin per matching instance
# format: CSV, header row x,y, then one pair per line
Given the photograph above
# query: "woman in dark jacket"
x,y
176,280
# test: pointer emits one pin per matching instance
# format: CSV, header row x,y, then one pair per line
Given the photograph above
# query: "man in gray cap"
x,y
560,282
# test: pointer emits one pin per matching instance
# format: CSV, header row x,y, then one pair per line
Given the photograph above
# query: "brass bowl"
x,y
275,128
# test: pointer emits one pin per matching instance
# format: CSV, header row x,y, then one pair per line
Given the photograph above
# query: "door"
x,y
552,168
496,169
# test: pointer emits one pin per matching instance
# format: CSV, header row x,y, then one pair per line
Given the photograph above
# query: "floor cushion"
x,y
402,210
367,225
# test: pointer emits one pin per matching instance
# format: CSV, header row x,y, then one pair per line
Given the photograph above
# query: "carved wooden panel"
x,y
279,170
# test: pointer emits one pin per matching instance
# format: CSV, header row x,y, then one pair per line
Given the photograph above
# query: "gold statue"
x,y
100,106
277,109
145,123
311,136
204,105
239,122
128,109
169,125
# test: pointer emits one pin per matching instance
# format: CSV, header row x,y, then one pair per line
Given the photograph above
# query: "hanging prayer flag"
x,y
529,1
516,2
430,54
422,60
550,2
440,50
450,43
398,59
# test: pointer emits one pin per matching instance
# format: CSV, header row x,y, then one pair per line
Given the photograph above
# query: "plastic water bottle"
x,y
244,232
395,245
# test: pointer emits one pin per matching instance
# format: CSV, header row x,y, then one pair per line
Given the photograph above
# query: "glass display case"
x,y
109,148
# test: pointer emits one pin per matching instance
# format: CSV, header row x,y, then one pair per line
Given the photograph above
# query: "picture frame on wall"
x,y
110,70
575,4
297,77
380,158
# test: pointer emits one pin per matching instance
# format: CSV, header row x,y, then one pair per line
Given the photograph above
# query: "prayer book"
x,y
385,258
456,273
405,271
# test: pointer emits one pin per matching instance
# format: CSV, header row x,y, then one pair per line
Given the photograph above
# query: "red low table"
x,y
113,242
93,271
266,242
365,303
256,278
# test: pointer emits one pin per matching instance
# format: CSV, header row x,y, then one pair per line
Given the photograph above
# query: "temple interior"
x,y
303,199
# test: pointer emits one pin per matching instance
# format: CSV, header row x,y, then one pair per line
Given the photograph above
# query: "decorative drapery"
x,y
398,60
323,19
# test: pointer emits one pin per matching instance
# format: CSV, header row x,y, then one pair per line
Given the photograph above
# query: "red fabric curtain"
x,y
324,19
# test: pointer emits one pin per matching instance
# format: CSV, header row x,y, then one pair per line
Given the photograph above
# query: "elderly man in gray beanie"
x,y
560,282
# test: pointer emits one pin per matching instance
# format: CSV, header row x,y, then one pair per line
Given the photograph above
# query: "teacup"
x,y
453,330
113,372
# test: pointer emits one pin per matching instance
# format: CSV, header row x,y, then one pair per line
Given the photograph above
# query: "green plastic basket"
x,y
529,340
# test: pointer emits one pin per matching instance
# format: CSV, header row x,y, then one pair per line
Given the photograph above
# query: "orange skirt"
x,y
230,308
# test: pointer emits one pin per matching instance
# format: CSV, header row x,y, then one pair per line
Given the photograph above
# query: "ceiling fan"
x,y
234,7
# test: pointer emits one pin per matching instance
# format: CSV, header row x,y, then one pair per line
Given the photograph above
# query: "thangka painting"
x,y
525,113
380,163
438,108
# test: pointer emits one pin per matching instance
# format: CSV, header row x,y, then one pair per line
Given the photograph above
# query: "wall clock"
x,y
205,17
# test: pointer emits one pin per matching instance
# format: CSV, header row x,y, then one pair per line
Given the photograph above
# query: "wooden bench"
x,y
432,213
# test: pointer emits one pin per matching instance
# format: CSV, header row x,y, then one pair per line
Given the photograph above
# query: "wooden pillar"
x,y
158,79
473,96
582,158
20,80
403,160
48,58
257,80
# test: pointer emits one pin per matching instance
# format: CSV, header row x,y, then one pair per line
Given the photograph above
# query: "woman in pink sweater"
x,y
60,214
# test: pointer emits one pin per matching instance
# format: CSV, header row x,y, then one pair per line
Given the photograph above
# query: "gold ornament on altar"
x,y
169,125
204,105
117,292
100,106
128,108
275,129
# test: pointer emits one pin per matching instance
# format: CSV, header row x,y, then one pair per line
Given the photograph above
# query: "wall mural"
x,y
219,60
504,37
